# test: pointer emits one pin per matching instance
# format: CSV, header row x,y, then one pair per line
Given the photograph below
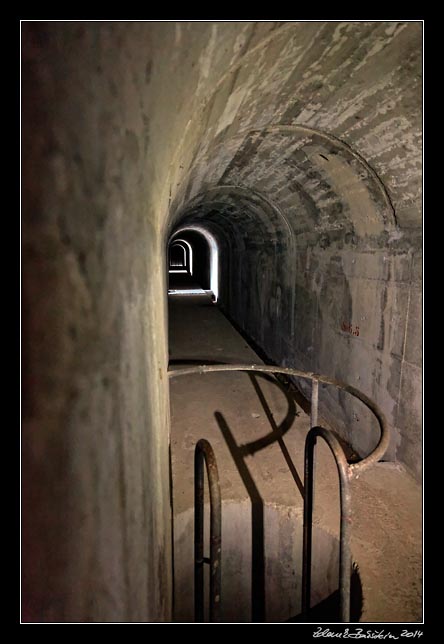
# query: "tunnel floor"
x,y
184,283
257,429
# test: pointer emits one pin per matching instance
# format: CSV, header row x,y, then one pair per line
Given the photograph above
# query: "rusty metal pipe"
x,y
354,469
204,452
345,519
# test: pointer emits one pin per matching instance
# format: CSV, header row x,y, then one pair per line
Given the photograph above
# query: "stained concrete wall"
x,y
129,127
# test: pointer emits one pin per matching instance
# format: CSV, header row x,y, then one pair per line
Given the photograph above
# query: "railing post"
x,y
198,535
345,521
308,521
314,403
204,452
314,407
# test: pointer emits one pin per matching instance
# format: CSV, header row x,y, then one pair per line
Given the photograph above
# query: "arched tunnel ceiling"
x,y
294,116
286,180
240,213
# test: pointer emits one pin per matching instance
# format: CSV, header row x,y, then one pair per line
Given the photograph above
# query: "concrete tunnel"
x,y
287,156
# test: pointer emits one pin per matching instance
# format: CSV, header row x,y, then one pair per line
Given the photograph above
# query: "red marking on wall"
x,y
350,328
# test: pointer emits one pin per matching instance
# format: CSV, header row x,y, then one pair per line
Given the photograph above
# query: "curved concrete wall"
x,y
132,128
280,596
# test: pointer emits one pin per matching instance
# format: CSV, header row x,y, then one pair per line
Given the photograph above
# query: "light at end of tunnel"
x,y
190,252
190,291
214,257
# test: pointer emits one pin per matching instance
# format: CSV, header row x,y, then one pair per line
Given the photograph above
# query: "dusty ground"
x,y
257,429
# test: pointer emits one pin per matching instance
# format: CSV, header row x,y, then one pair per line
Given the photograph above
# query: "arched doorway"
x,y
194,252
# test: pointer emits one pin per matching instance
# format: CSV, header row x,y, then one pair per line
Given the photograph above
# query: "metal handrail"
x,y
354,469
345,519
346,473
204,452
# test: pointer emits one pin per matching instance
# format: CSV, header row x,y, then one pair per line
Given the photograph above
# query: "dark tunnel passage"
x,y
287,263
179,257
202,261
272,172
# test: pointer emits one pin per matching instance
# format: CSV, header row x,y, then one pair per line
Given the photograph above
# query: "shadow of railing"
x,y
257,523
278,431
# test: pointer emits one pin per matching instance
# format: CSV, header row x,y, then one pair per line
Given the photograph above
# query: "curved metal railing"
x,y
345,563
346,472
354,469
204,452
